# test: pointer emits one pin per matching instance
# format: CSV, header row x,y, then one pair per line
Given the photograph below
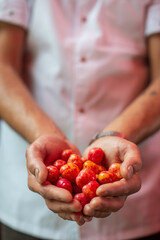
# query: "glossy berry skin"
x,y
66,154
115,168
53,174
106,177
85,176
90,189
59,163
81,197
100,168
64,183
69,171
76,159
96,155
90,165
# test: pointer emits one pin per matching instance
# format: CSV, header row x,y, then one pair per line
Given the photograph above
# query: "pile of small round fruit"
x,y
82,176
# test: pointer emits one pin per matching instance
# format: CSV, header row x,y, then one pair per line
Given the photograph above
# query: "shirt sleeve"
x,y
15,12
153,19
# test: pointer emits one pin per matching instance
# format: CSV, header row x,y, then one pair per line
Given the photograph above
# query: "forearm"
x,y
142,117
19,110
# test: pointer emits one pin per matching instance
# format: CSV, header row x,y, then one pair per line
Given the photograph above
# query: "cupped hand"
x,y
111,196
60,201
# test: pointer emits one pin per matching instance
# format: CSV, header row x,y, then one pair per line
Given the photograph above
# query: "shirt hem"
x,y
37,232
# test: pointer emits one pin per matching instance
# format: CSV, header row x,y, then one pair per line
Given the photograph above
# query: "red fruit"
x,y
100,168
59,163
85,176
96,155
46,183
64,183
114,177
90,189
53,174
74,158
90,165
115,168
48,162
76,189
106,177
69,171
66,154
81,197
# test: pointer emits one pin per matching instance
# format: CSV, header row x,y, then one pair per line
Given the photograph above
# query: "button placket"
x,y
81,110
83,19
80,60
83,59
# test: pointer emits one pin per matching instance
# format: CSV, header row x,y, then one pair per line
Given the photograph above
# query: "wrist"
x,y
107,133
45,126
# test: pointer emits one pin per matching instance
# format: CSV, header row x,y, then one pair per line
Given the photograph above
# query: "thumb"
x,y
39,171
131,164
35,164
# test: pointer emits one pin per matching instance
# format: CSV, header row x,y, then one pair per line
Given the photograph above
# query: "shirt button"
x,y
83,59
11,13
81,110
84,19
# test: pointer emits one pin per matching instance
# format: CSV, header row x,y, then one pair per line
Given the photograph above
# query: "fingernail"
x,y
130,172
37,173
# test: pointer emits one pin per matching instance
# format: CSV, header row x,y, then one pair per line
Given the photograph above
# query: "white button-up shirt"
x,y
86,61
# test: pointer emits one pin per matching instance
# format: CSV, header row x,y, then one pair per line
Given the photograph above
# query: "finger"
x,y
102,207
120,188
131,161
49,191
77,217
62,207
35,162
94,213
87,218
111,204
98,214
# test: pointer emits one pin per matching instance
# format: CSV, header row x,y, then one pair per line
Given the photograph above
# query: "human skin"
x,y
42,133
32,123
144,113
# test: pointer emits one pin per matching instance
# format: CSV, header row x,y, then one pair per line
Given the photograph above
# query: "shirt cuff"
x,y
153,20
15,16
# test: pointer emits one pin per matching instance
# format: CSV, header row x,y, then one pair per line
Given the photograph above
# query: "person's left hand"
x,y
111,196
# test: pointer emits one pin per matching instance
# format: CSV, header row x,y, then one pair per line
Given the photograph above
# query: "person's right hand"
x,y
58,200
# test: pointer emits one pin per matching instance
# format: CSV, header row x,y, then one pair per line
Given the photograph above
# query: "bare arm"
x,y
22,113
17,107
139,120
142,117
